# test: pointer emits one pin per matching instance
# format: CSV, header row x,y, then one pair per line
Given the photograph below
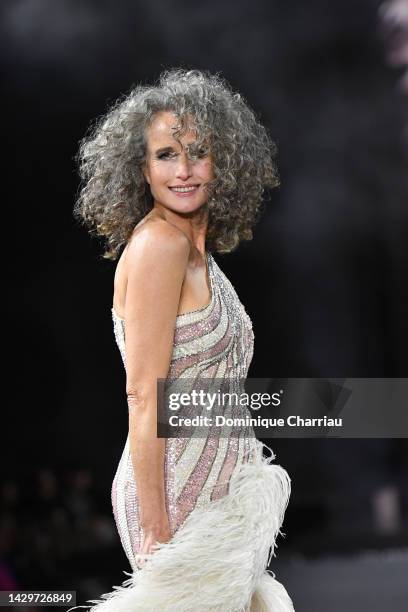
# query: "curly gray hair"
x,y
115,196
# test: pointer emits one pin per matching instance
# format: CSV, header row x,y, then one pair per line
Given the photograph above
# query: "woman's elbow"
x,y
138,398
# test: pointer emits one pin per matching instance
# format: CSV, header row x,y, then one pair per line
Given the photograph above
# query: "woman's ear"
x,y
146,173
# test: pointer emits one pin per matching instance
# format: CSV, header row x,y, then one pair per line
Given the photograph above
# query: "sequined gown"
x,y
225,501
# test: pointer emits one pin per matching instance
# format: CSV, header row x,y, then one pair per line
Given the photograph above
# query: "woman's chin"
x,y
183,207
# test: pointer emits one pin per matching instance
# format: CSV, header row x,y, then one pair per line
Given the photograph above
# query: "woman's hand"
x,y
160,532
153,535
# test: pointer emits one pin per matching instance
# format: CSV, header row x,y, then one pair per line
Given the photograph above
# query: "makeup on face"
x,y
176,169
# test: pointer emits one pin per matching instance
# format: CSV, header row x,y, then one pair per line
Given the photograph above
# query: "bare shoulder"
x,y
158,241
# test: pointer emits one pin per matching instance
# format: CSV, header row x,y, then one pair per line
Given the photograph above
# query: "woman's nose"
x,y
183,167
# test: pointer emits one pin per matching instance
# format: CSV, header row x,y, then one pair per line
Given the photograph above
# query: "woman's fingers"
x,y
141,560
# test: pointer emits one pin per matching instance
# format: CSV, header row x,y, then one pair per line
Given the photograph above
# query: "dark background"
x,y
324,279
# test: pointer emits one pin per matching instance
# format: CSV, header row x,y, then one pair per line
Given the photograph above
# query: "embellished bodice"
x,y
215,342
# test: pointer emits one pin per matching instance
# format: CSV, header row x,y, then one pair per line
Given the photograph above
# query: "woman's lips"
x,y
185,194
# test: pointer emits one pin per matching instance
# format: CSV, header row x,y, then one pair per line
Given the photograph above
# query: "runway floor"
x,y
367,582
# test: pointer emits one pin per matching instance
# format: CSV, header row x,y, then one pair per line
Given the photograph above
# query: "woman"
x,y
174,172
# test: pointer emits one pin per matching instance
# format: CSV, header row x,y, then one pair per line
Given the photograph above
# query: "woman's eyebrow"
x,y
164,150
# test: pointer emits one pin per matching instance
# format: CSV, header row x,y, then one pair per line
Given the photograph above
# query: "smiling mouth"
x,y
187,189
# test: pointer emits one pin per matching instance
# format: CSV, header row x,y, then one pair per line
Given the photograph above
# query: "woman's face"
x,y
169,170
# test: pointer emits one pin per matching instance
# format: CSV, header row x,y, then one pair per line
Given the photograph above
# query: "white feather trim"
x,y
270,596
216,562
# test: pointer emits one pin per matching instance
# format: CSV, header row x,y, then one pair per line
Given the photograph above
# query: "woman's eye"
x,y
193,153
199,152
164,155
202,152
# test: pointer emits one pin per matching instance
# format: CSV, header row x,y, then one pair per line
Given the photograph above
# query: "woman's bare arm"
x,y
156,264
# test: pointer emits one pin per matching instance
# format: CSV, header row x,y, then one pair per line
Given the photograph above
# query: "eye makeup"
x,y
192,150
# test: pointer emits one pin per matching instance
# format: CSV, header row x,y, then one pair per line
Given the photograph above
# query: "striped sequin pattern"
x,y
214,342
